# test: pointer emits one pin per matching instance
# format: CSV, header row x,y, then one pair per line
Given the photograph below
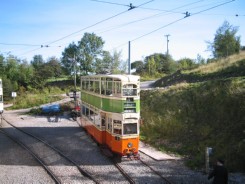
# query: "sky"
x,y
44,27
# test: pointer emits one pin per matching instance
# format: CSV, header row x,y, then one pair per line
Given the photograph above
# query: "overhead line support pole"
x,y
167,43
129,63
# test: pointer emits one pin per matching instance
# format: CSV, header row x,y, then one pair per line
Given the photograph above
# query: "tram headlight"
x,y
130,145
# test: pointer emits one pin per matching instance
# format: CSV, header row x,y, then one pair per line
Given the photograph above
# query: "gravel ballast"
x,y
72,140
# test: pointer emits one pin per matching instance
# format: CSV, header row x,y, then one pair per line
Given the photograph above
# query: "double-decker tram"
x,y
110,111
1,97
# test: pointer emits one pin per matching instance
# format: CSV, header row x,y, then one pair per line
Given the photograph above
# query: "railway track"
x,y
129,175
156,172
123,172
56,180
153,170
136,171
43,159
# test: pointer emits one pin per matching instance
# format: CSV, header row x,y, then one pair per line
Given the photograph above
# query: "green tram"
x,y
110,111
113,93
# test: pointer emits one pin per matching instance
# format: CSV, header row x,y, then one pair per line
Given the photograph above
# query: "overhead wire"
x,y
20,44
98,22
107,2
187,15
171,11
149,17
213,7
49,43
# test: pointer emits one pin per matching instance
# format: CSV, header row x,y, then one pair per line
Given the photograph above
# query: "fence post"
x,y
208,152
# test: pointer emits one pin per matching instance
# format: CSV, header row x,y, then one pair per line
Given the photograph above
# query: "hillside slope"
x,y
203,107
233,66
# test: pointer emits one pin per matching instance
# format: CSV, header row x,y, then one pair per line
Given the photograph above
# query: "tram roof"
x,y
116,76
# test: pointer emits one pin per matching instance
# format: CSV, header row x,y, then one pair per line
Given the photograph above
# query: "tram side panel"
x,y
107,133
111,104
92,130
122,145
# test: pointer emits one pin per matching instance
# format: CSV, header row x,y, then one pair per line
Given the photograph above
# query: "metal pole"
x,y
208,152
75,82
75,73
129,64
167,42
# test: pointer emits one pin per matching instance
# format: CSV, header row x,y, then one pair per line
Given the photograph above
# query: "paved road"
x,y
146,84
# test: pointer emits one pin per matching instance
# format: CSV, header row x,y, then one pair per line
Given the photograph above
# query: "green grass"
x,y
36,98
199,108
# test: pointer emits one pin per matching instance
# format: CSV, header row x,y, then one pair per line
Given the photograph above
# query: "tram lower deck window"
x,y
130,128
117,127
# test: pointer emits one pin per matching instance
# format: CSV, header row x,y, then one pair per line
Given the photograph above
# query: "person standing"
x,y
219,173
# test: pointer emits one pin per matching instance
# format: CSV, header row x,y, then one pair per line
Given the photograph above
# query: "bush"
x,y
187,119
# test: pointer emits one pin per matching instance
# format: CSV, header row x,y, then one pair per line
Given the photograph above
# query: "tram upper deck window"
x,y
108,86
83,85
97,87
129,90
91,86
116,88
130,128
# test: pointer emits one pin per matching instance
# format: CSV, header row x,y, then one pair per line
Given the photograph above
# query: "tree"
x,y
90,48
138,66
37,61
163,63
186,63
109,63
69,55
102,65
117,64
54,67
25,74
151,66
12,67
2,65
200,60
225,41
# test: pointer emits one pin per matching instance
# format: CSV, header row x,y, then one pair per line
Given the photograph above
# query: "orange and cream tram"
x,y
110,111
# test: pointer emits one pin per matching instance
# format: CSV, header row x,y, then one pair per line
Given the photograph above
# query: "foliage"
x,y
69,57
36,98
138,66
225,41
199,108
53,67
90,47
37,62
155,64
66,107
109,63
188,119
232,66
186,63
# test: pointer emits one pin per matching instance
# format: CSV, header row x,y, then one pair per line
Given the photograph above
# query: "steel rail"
x,y
156,172
57,181
81,170
130,179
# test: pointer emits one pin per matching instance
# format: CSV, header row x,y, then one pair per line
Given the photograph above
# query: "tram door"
x,y
103,127
109,131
